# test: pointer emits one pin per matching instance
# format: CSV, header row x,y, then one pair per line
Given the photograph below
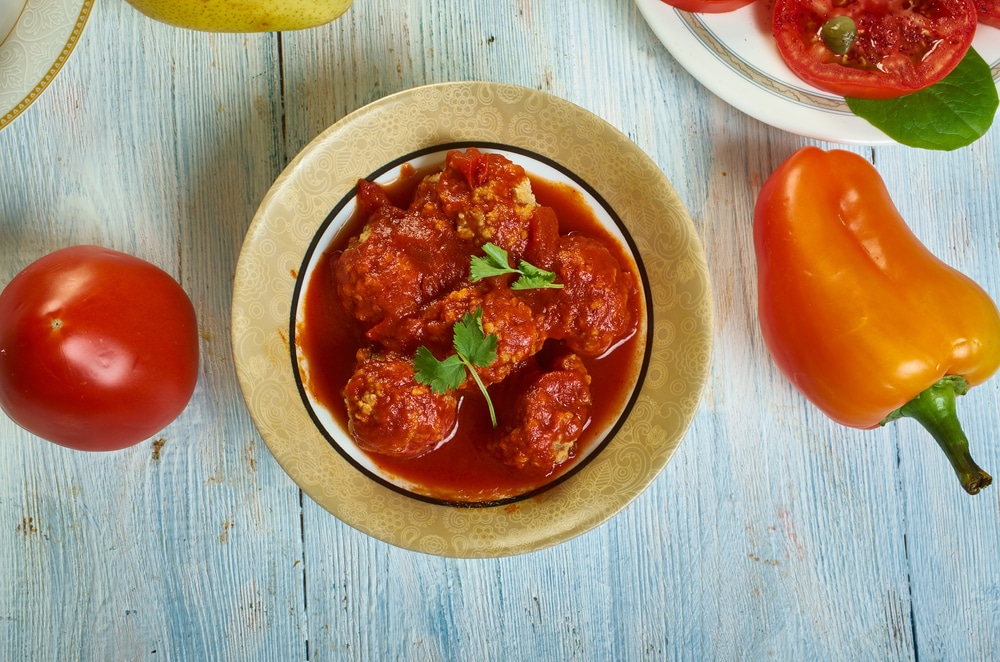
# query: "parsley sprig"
x,y
473,348
497,263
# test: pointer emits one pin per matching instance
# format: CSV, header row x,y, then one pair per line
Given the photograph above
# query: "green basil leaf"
x,y
954,112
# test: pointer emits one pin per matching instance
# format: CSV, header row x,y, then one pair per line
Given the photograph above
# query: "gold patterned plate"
x,y
734,56
36,39
679,313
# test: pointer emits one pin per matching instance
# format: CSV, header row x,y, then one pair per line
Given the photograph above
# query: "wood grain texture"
x,y
773,534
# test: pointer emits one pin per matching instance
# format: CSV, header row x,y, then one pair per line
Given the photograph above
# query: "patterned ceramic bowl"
x,y
557,141
36,39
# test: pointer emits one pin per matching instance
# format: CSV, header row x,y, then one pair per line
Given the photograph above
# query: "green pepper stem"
x,y
934,408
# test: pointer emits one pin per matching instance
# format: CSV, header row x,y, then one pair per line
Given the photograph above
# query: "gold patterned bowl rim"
x,y
679,295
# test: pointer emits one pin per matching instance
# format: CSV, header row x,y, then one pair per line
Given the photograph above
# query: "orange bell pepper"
x,y
858,314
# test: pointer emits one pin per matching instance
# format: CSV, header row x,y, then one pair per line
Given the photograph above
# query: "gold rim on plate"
x,y
36,49
328,168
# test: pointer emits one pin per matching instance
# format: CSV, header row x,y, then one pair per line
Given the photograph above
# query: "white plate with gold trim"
x,y
679,323
734,56
36,39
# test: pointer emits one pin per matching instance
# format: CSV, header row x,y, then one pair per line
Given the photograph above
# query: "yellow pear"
x,y
243,15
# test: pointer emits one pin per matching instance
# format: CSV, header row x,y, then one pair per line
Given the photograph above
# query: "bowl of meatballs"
x,y
398,266
472,320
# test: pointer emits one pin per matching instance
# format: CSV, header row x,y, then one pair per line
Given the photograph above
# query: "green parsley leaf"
x,y
954,112
497,263
441,376
472,343
473,348
533,278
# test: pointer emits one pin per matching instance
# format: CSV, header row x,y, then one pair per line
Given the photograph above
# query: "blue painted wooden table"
x,y
772,534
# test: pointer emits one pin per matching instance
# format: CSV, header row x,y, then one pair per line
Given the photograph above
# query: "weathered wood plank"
x,y
160,143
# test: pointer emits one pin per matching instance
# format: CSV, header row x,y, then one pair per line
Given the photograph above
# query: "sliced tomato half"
x,y
899,46
708,6
989,12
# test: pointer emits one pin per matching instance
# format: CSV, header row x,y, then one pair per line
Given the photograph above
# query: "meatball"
x,y
543,238
426,199
390,413
593,311
432,325
518,334
489,199
401,260
505,315
549,415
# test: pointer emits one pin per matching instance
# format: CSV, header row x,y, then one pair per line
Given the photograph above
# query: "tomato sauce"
x,y
461,470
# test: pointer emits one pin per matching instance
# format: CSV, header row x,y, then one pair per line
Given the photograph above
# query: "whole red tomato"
x,y
708,6
98,349
873,49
